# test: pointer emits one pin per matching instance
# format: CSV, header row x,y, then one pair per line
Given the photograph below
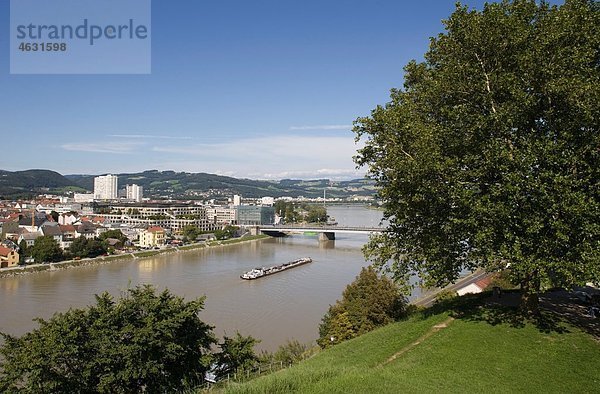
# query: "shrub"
x,y
369,302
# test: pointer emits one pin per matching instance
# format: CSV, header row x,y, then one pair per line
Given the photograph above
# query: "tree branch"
x,y
487,82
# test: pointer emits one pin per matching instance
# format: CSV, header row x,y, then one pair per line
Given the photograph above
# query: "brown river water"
x,y
288,305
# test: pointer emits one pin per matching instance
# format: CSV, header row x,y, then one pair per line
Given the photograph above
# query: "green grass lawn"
x,y
468,356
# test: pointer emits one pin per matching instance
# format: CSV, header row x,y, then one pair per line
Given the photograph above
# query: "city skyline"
x,y
261,91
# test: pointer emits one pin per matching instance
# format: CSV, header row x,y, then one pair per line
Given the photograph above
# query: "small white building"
x,y
475,287
268,201
83,197
68,218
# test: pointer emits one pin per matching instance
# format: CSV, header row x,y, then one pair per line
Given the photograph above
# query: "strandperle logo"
x,y
84,31
80,36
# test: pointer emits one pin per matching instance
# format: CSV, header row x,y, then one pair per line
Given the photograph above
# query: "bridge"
x,y
326,233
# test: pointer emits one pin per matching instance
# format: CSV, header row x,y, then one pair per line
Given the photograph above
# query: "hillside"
x,y
434,352
23,182
181,185
190,185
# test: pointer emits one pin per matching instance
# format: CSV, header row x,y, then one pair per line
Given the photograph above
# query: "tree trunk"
x,y
530,300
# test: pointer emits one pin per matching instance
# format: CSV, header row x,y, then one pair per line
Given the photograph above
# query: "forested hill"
x,y
182,185
33,181
189,185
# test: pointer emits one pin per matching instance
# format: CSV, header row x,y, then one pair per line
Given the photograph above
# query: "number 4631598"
x,y
43,47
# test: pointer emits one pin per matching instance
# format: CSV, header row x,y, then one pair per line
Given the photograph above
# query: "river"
x,y
288,305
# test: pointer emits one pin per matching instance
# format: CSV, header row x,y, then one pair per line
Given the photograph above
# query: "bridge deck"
x,y
322,229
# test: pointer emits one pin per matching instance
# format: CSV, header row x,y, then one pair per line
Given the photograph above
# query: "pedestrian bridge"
x,y
326,233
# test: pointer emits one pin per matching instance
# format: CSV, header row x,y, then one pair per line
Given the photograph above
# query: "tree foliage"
x,y
191,232
489,156
226,232
116,234
84,247
287,210
316,213
45,249
290,352
144,342
237,353
369,302
23,251
293,212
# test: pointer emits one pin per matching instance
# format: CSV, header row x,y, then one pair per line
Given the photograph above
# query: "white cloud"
x,y
102,147
329,173
150,136
323,127
283,156
276,157
321,148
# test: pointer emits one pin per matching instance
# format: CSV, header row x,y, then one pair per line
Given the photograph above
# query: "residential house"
x,y
86,229
68,218
29,238
475,287
10,227
7,243
68,231
8,257
32,225
114,243
153,236
68,235
54,232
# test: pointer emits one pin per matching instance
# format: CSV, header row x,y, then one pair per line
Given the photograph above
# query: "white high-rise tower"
x,y
134,192
105,187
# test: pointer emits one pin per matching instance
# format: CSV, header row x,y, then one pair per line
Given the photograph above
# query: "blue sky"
x,y
257,89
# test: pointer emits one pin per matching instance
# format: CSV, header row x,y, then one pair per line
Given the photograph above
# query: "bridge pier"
x,y
326,236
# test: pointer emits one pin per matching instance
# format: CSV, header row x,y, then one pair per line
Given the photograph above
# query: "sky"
x,y
250,89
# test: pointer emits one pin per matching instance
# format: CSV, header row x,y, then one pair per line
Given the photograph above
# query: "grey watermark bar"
x,y
80,37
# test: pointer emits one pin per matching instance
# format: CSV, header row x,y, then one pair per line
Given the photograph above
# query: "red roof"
x,y
155,229
66,227
483,283
5,251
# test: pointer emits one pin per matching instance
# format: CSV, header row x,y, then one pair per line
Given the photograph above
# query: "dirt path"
x,y
420,340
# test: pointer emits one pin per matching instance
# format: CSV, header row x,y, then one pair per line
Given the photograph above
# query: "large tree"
x,y
145,342
45,249
489,155
87,247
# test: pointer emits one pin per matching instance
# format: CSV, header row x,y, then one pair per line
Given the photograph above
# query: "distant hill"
x,y
32,181
182,185
190,185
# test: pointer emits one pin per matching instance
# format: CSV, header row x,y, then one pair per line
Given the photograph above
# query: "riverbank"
x,y
34,268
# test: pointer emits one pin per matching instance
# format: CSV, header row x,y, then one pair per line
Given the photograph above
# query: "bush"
x,y
236,354
445,295
369,302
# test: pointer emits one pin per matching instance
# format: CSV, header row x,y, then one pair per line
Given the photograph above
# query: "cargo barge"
x,y
260,272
